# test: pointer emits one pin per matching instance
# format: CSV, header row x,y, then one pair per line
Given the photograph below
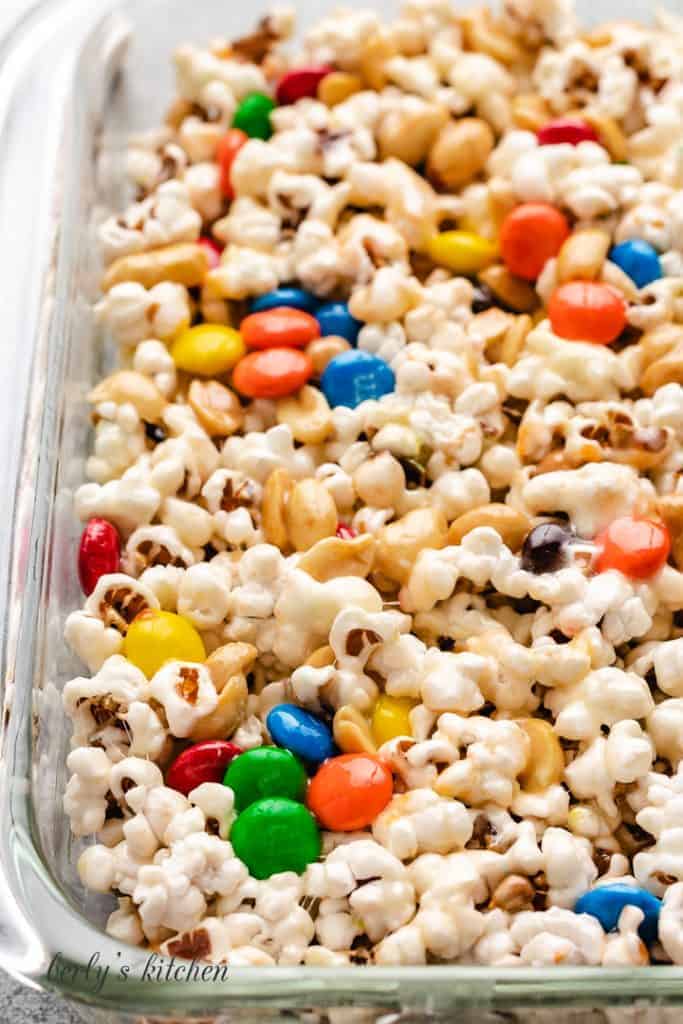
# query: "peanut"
x,y
335,556
512,525
667,370
337,87
512,291
408,134
530,111
545,761
399,543
322,350
378,49
310,514
216,407
459,153
513,894
131,386
307,414
183,263
670,508
352,732
484,36
275,493
228,661
610,134
321,657
228,714
582,255
513,341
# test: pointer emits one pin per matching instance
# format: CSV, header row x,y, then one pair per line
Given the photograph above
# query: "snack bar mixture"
x,y
383,533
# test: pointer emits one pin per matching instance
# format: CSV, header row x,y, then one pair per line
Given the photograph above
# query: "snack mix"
x,y
383,533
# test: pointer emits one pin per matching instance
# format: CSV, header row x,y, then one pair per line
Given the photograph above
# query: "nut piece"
x,y
184,263
337,87
213,309
670,508
482,34
307,414
582,255
321,657
275,494
545,762
216,407
310,514
667,370
459,153
230,712
378,49
512,525
512,291
399,543
334,556
530,111
352,732
513,341
513,894
322,350
228,661
407,134
609,133
131,386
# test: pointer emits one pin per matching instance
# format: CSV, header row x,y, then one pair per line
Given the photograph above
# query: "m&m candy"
x,y
300,83
155,637
530,235
587,311
639,260
566,129
287,295
606,903
202,762
253,116
301,732
356,376
265,771
334,319
280,327
275,835
99,553
272,373
349,791
227,149
638,548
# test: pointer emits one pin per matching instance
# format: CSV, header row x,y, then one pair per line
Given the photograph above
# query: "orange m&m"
x,y
348,792
272,373
280,326
530,235
227,149
587,311
636,547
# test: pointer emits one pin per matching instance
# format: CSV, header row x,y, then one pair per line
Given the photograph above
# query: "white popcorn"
x,y
132,313
162,219
671,923
557,936
186,692
85,799
422,822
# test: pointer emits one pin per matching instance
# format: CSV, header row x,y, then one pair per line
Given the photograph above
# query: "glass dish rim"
x,y
34,895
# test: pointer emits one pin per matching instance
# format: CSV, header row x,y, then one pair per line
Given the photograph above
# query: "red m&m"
x,y
202,762
566,129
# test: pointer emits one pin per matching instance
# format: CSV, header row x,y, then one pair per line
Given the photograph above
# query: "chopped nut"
x,y
513,894
399,543
545,763
307,414
228,661
378,49
408,134
275,494
512,291
582,255
216,407
130,386
337,87
670,508
352,732
512,525
459,153
335,556
183,263
310,514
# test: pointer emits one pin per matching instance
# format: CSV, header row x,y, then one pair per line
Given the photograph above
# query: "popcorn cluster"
x,y
444,550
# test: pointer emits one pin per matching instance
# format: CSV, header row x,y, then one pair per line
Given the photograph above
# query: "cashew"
x,y
322,350
514,292
582,255
307,414
545,761
512,525
228,661
216,407
460,152
310,514
275,494
334,556
337,87
133,387
399,543
183,263
352,732
408,134
230,712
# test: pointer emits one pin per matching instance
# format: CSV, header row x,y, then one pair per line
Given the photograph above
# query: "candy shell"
x,y
227,149
207,350
356,376
587,311
391,718
202,762
301,732
639,260
296,298
155,637
349,791
463,252
606,902
281,327
566,129
638,548
272,373
265,771
334,318
300,83
99,553
275,835
253,115
530,235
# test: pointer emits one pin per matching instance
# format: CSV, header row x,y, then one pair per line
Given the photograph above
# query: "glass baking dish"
x,y
76,77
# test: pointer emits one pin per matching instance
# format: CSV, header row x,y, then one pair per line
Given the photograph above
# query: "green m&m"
x,y
275,835
262,772
253,115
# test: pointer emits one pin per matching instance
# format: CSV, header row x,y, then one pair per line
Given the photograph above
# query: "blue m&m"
x,y
606,903
356,376
334,318
638,259
300,732
295,298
